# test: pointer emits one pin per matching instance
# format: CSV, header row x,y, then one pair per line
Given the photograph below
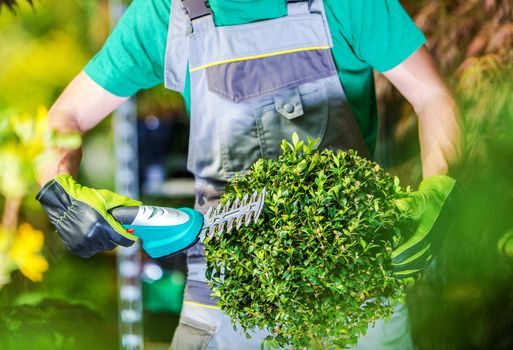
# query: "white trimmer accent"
x,y
159,216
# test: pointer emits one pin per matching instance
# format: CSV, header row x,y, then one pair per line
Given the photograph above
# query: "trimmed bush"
x,y
315,269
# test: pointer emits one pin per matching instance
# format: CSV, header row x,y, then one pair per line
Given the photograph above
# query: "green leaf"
x,y
295,140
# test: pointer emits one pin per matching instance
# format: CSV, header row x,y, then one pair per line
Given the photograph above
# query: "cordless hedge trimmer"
x,y
166,231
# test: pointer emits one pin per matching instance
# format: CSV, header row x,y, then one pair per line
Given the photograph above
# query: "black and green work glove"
x,y
424,207
81,216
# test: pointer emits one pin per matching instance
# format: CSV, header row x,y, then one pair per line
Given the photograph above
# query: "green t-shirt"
x,y
367,34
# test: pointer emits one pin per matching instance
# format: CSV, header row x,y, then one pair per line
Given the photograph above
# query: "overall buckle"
x,y
309,1
196,8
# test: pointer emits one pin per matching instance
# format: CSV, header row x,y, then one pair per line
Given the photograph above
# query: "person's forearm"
x,y
420,82
439,133
58,160
81,106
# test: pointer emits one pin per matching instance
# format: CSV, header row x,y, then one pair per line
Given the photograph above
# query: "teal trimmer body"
x,y
166,231
163,231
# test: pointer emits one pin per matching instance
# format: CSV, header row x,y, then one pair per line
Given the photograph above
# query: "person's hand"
x,y
424,207
505,244
81,216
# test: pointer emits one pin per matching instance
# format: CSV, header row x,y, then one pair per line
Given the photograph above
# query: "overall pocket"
x,y
247,137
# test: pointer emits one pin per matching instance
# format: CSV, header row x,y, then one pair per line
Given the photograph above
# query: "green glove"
x,y
505,244
424,207
81,216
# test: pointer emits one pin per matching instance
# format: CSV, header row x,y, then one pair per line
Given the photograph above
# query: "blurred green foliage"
x,y
54,325
73,308
44,47
466,302
37,72
160,102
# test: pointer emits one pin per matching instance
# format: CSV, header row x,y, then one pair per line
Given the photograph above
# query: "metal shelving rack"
x,y
130,316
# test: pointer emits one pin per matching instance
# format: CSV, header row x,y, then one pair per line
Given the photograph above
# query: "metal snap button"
x,y
289,108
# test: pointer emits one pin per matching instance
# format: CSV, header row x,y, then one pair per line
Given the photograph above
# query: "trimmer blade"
x,y
231,216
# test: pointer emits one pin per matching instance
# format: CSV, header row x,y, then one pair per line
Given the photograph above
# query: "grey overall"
x,y
252,85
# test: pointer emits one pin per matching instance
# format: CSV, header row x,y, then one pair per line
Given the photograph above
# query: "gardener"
x,y
252,72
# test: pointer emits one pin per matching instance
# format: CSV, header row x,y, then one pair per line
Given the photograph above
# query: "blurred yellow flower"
x,y
26,144
31,131
26,252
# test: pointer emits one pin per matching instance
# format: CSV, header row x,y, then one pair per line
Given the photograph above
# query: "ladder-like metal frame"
x,y
130,317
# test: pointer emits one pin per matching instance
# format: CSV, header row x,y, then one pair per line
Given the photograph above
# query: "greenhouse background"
x,y
51,299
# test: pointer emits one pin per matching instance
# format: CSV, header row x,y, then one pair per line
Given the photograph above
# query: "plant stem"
x,y
315,343
10,214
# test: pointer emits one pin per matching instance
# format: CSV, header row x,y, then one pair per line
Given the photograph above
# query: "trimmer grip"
x,y
125,215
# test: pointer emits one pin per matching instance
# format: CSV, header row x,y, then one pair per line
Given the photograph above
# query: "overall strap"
x,y
177,48
199,14
196,8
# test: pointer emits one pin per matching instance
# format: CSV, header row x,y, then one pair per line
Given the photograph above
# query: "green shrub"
x,y
315,269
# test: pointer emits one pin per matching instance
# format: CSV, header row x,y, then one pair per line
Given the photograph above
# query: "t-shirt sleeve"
x,y
380,32
132,58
